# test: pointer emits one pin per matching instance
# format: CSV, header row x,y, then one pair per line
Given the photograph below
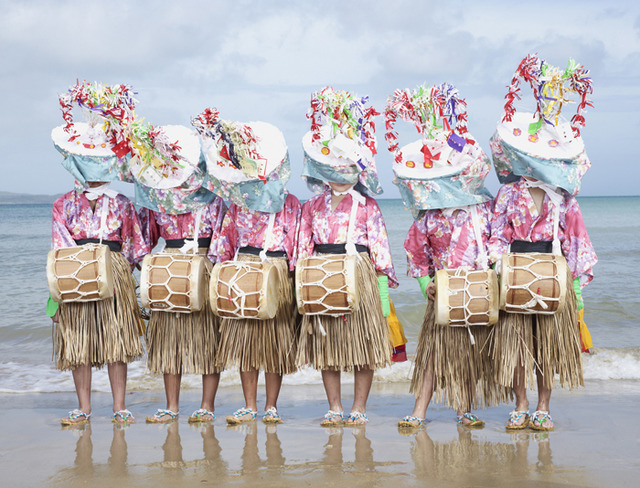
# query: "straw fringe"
x,y
550,343
104,331
463,372
252,344
356,341
184,343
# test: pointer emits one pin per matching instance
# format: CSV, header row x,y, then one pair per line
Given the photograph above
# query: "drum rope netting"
x,y
242,269
82,264
167,301
536,298
466,277
321,301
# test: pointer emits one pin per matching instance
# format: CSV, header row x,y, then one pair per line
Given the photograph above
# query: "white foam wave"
x,y
602,363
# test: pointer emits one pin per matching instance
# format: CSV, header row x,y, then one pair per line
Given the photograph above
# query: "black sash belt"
x,y
115,246
338,248
257,250
525,246
178,243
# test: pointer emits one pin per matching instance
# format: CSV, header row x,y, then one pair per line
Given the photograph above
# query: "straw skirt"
x,y
359,340
270,345
462,371
550,343
101,332
184,342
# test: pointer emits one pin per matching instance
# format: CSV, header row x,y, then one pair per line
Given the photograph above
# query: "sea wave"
x,y
16,377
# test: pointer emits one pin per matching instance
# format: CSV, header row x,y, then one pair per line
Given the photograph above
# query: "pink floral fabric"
x,y
319,225
442,239
73,219
516,218
243,227
182,226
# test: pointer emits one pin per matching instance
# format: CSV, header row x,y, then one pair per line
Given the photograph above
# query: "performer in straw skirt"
x,y
248,164
342,218
540,159
188,218
441,179
107,331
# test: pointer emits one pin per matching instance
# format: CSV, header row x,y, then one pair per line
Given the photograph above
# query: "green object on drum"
x,y
52,307
383,288
423,281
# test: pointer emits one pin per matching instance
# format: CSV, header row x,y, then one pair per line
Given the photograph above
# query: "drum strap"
x,y
268,237
191,245
482,260
556,199
103,217
356,199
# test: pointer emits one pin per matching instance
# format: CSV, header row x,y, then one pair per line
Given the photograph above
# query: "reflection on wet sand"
x,y
467,461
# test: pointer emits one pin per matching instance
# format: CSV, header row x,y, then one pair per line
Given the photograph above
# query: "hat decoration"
x,y
541,143
247,163
341,145
96,150
167,168
445,167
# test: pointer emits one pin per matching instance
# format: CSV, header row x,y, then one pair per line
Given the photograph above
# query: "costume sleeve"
x,y
379,243
219,210
576,245
292,213
60,235
416,245
228,238
305,234
134,246
501,230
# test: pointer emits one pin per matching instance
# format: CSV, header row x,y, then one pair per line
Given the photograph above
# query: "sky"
x,y
262,60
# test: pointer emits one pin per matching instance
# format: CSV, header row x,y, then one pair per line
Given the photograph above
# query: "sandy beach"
x,y
595,444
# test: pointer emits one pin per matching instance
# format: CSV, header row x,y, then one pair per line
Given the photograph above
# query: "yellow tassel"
x,y
396,332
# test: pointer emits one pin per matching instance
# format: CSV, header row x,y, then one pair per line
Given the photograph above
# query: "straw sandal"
x,y
162,417
332,419
235,418
199,416
356,418
125,416
515,416
410,422
75,417
538,418
473,419
271,416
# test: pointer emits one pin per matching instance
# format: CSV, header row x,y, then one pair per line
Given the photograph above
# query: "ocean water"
x,y
612,301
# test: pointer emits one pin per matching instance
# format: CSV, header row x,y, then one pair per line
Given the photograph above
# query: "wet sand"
x,y
596,443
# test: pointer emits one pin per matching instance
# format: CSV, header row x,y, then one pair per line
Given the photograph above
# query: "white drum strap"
x,y
556,199
482,259
268,237
191,245
356,199
103,217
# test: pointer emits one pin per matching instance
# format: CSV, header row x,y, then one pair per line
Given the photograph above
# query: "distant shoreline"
x,y
9,198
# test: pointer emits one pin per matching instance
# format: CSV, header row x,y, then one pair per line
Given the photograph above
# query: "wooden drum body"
x,y
466,297
327,285
244,289
80,273
172,282
533,283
